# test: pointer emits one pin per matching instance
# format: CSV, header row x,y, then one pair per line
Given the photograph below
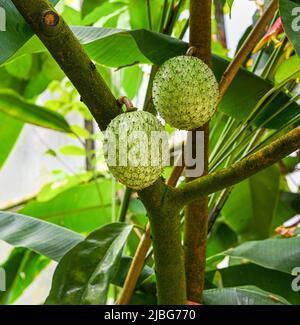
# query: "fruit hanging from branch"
x,y
185,92
136,149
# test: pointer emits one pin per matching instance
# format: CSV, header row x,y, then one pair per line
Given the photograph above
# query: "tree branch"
x,y
71,57
247,47
200,29
196,213
219,14
164,216
242,170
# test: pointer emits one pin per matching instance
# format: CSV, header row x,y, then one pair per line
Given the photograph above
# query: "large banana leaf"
x,y
83,275
17,31
274,253
119,48
14,106
290,15
248,295
42,237
266,279
81,208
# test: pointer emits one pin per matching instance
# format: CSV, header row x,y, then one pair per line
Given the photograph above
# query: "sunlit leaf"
x,y
14,106
42,237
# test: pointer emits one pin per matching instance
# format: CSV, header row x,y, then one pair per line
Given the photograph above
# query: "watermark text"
x,y
2,20
296,20
296,281
2,279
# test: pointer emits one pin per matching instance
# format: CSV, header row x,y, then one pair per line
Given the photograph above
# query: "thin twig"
x,y
149,14
135,268
219,14
124,204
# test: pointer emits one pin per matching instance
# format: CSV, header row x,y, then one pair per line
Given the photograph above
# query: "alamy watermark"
x,y
296,281
296,20
2,279
141,148
2,20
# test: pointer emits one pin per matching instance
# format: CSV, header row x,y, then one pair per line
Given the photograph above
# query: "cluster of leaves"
x,y
73,220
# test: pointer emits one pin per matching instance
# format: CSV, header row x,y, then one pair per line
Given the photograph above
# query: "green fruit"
x,y
185,92
128,142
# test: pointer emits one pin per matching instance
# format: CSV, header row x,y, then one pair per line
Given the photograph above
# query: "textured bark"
x,y
166,237
196,213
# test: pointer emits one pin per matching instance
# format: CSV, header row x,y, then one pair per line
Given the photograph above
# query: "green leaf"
x,y
89,5
247,295
82,207
290,15
105,9
101,42
16,107
251,206
138,14
10,130
71,16
123,269
42,237
51,190
288,68
20,67
221,238
84,274
21,267
288,207
132,78
230,4
72,151
266,279
275,253
17,30
80,131
144,46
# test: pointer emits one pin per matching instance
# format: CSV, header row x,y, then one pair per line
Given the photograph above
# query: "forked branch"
x,y
242,170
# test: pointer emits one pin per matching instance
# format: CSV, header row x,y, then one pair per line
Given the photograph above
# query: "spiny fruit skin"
x,y
134,175
185,92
